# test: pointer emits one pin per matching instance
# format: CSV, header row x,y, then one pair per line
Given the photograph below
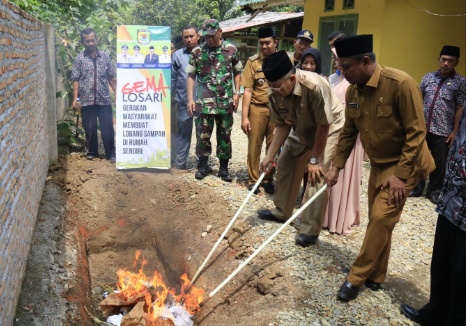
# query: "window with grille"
x,y
348,4
329,5
344,23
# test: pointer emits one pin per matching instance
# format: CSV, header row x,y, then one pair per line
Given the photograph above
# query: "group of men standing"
x,y
137,57
295,111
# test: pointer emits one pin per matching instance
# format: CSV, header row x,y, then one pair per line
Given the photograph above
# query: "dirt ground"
x,y
95,219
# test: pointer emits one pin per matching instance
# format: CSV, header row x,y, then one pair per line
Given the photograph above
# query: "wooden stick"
x,y
228,228
265,243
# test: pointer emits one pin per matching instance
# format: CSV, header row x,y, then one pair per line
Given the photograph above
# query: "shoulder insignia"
x,y
253,57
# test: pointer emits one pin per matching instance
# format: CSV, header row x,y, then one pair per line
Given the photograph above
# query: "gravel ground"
x,y
321,269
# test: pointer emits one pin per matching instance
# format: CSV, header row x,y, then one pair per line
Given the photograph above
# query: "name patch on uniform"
x,y
353,105
282,110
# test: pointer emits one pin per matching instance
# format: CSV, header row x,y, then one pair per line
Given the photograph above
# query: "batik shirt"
x,y
451,202
214,69
93,75
439,116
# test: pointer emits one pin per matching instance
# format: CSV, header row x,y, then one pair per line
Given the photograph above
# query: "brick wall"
x,y
23,145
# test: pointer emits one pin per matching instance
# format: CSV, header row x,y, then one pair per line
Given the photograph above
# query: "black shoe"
x,y
208,169
372,285
347,291
266,214
112,159
250,187
90,157
415,193
412,314
269,188
433,197
305,240
201,174
224,175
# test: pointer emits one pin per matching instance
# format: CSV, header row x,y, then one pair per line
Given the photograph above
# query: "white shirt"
x,y
121,58
138,58
164,58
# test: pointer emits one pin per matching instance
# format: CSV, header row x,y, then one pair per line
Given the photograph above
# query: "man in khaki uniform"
x,y
313,217
256,123
301,104
385,106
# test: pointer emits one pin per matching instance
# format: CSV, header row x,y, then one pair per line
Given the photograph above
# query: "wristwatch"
x,y
314,160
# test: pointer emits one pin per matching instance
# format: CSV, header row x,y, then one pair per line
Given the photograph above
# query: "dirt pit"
x,y
107,215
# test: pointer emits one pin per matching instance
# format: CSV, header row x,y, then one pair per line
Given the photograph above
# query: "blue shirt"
x,y
451,202
179,77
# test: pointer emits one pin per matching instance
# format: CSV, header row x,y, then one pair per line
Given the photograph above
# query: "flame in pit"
x,y
158,297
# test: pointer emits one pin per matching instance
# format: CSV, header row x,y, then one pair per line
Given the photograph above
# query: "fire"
x,y
161,302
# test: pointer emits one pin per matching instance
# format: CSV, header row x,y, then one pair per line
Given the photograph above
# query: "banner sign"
x,y
143,97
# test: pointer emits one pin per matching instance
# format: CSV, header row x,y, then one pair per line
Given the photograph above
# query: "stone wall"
x,y
25,133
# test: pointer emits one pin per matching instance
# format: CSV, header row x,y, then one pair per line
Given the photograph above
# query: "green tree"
x,y
179,13
69,17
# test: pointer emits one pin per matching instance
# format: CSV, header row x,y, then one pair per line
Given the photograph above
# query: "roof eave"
x,y
270,3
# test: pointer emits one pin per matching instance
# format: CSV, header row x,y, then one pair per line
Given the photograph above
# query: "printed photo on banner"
x,y
143,97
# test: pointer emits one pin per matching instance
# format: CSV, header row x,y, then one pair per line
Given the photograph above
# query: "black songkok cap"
x,y
277,65
151,48
450,50
266,32
354,45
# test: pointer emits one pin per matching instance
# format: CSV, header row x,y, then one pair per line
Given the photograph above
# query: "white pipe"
x,y
265,243
229,226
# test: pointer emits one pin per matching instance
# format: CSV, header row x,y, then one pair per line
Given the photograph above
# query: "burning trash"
x,y
147,301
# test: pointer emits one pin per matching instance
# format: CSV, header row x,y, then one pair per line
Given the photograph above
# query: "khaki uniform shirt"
x,y
253,77
388,113
311,103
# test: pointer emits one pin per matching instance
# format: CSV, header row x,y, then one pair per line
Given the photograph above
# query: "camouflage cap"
x,y
210,27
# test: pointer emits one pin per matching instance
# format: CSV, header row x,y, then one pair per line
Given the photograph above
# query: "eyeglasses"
x,y
278,89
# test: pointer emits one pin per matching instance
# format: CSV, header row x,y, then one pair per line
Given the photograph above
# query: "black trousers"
x,y
439,150
447,297
90,114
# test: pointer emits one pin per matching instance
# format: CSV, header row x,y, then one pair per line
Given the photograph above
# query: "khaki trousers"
x,y
290,167
262,128
372,261
313,216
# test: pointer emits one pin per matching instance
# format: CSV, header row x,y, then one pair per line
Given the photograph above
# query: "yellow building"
x,y
407,34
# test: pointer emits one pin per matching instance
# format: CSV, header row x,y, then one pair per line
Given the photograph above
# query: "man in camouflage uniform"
x,y
256,122
212,65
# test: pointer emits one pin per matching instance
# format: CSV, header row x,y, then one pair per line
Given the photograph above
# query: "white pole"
x,y
261,177
265,243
